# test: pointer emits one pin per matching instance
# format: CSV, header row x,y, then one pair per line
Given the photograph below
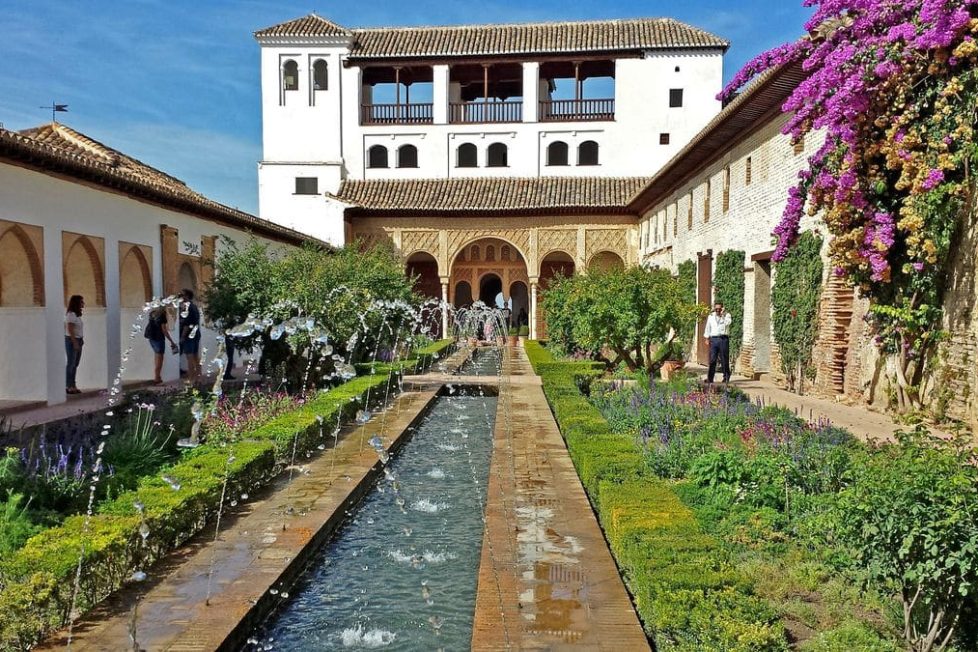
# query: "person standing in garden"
x,y
157,332
190,334
717,333
74,339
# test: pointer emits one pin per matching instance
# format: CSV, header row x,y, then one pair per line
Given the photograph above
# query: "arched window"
x,y
490,253
407,156
557,153
320,78
497,156
290,76
377,157
475,252
587,153
468,156
505,252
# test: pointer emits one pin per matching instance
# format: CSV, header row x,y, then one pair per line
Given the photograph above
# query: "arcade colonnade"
x,y
518,258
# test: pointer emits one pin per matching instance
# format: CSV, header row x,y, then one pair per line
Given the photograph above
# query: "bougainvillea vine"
x,y
892,87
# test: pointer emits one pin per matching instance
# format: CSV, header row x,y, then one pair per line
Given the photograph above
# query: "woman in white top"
x,y
74,339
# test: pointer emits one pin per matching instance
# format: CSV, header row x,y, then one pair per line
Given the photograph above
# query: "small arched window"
x,y
557,153
490,253
505,252
407,156
468,156
320,76
587,153
497,156
475,252
377,157
290,76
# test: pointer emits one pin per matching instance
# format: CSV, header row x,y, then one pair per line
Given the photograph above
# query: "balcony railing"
x,y
476,112
576,110
397,114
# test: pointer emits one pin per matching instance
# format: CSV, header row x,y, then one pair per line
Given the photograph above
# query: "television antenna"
x,y
56,108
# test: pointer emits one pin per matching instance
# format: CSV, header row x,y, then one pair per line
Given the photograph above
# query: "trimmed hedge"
x,y
686,591
37,582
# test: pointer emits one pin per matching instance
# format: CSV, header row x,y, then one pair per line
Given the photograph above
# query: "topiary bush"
x,y
729,288
795,298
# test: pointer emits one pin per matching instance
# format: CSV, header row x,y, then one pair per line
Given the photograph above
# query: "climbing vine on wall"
x,y
728,284
795,295
687,284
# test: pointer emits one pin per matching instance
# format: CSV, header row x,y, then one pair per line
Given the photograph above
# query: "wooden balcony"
x,y
577,110
396,114
482,112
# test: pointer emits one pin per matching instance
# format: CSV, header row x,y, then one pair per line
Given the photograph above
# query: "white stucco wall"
x,y
32,355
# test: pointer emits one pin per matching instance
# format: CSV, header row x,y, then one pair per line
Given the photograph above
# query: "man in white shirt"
x,y
717,333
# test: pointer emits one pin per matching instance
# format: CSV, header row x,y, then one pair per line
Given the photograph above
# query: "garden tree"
x,y
350,292
892,91
628,311
795,298
910,518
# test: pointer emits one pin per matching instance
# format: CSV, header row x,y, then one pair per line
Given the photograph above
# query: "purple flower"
x,y
934,177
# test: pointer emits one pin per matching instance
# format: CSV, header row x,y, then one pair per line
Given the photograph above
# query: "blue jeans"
x,y
73,356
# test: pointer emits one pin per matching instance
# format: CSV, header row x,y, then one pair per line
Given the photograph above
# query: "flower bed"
x,y
37,582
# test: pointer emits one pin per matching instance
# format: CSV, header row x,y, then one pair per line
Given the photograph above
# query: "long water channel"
x,y
403,576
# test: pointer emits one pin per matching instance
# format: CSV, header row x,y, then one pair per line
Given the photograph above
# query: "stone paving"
x,y
547,580
264,546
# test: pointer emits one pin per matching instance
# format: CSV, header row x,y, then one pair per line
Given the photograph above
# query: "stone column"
x,y
531,91
113,302
439,94
444,307
533,307
54,317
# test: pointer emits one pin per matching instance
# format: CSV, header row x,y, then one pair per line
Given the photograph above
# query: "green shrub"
x,y
16,525
730,286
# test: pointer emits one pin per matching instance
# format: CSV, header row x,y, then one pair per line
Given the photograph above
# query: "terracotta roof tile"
x,y
632,34
311,25
491,195
59,149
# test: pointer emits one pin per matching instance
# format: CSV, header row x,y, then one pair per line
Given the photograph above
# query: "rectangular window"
x,y
706,203
663,139
675,98
675,220
665,225
726,189
306,186
747,172
689,213
800,147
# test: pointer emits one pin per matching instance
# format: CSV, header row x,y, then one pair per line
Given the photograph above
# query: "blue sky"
x,y
175,83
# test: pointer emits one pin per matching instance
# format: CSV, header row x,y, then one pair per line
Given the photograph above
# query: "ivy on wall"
x,y
728,288
687,283
795,296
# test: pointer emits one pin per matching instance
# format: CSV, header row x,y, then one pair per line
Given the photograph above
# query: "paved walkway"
x,y
547,580
265,545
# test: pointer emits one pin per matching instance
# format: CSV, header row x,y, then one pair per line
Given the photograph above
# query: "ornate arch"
x,y
607,253
462,243
94,260
145,276
35,268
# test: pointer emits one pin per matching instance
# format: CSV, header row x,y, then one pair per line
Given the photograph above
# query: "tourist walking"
x,y
74,340
190,334
717,333
157,332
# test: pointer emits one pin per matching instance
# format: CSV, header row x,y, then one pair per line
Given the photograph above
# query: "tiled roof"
x,y
481,196
59,149
633,34
311,25
755,107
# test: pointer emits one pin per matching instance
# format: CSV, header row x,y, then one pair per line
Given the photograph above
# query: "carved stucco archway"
x,y
532,237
